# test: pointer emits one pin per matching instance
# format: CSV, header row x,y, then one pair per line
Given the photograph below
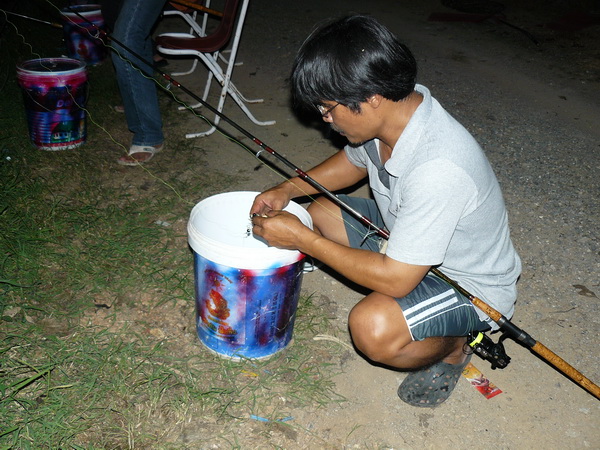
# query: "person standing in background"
x,y
133,28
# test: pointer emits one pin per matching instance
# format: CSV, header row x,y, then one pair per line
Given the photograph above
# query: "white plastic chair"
x,y
207,49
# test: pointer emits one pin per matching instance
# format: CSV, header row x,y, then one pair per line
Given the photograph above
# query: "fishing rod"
x,y
52,24
516,333
505,325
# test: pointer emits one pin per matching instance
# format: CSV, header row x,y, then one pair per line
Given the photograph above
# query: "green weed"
x,y
97,340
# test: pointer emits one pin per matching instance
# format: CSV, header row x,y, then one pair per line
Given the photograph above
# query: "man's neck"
x,y
396,116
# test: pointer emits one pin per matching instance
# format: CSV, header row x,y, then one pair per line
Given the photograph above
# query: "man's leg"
x,y
380,331
425,330
140,99
327,220
377,323
341,227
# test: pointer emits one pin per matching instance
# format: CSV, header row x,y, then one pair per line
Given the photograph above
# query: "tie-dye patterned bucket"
x,y
81,25
246,292
55,92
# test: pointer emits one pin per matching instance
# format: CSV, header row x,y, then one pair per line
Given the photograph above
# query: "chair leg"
x,y
214,126
226,61
240,99
187,72
233,92
195,29
210,131
225,78
246,100
228,88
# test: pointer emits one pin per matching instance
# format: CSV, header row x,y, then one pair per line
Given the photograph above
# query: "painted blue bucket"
x,y
82,38
55,92
246,292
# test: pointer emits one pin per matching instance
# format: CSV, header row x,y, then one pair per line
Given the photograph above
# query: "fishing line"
x,y
52,24
19,34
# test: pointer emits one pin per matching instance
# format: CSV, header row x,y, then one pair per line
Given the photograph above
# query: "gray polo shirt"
x,y
443,206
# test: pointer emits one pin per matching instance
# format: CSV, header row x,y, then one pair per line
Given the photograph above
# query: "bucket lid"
x,y
51,65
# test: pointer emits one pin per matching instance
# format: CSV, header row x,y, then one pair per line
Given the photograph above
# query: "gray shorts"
x,y
433,308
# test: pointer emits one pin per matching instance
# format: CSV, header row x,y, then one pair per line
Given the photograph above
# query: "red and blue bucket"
x,y
81,25
55,93
246,292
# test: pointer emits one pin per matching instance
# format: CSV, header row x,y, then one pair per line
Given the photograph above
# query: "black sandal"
x,y
428,388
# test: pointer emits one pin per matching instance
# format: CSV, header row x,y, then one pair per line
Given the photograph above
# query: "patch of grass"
x,y
97,340
92,387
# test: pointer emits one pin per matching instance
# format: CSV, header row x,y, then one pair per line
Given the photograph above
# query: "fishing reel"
x,y
489,350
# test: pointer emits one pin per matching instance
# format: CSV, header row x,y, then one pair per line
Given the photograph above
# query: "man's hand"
x,y
274,199
280,229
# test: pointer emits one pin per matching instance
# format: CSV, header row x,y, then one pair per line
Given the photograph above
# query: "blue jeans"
x,y
133,29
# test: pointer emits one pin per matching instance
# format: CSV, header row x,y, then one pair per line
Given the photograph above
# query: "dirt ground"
x,y
531,96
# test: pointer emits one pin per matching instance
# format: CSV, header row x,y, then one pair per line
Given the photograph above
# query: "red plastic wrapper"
x,y
480,382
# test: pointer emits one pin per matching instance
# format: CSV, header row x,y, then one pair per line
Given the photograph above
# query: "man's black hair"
x,y
349,60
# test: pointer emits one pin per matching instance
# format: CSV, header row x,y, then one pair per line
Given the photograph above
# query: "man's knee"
x,y
321,212
376,329
327,220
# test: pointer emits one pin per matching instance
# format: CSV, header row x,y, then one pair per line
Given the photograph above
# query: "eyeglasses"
x,y
326,111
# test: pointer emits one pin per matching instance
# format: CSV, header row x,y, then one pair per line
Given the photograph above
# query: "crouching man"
x,y
433,190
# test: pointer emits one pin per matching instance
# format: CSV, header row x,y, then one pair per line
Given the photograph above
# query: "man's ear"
x,y
375,100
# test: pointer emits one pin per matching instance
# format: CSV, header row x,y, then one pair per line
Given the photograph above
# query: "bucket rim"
x,y
81,9
23,69
232,255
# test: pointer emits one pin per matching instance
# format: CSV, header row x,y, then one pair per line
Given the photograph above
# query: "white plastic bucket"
x,y
246,291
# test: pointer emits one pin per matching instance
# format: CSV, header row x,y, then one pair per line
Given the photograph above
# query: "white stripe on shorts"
x,y
433,316
433,307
